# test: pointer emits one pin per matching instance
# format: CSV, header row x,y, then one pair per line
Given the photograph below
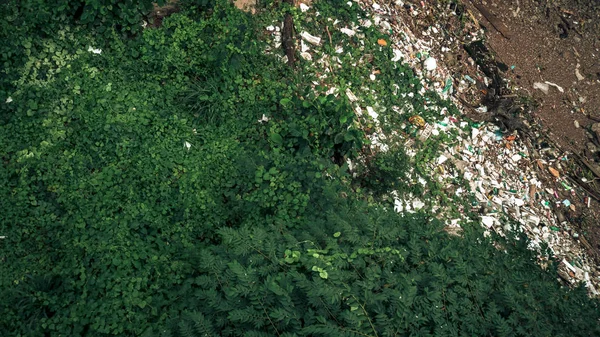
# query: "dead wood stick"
x,y
497,24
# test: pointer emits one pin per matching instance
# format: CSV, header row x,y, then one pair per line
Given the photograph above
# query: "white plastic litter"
x,y
397,55
311,38
303,47
555,85
351,96
263,119
418,204
430,64
541,86
578,74
94,50
306,56
347,31
372,113
488,221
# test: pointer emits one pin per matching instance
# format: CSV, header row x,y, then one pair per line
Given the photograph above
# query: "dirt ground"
x,y
549,41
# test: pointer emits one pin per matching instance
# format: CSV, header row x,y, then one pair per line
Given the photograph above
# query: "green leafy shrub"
x,y
358,271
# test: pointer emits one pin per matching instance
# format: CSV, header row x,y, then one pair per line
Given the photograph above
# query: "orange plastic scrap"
x,y
554,172
382,42
510,138
540,164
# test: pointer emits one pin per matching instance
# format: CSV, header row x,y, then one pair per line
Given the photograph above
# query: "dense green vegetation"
x,y
140,195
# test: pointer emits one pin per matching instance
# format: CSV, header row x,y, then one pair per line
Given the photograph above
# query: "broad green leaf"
x,y
276,138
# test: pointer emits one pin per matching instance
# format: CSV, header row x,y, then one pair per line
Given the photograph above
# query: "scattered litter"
x,y
372,113
94,50
306,56
448,86
304,7
555,85
571,268
263,119
578,74
347,31
418,204
303,47
351,96
382,42
311,38
468,78
187,145
554,172
541,86
426,132
417,121
9,99
488,221
397,55
430,64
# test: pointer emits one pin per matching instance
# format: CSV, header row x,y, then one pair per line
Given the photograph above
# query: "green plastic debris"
x,y
468,78
448,85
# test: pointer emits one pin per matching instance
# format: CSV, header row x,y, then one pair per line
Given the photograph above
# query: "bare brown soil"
x,y
548,40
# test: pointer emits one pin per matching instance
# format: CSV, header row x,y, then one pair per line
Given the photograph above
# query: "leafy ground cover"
x,y
183,180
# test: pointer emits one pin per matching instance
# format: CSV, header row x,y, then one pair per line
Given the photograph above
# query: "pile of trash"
x,y
506,178
510,179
